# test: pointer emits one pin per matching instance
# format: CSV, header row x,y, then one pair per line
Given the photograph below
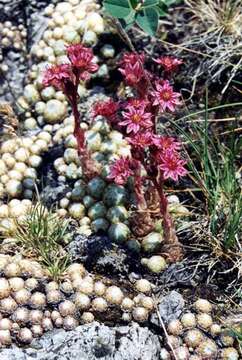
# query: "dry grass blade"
x,y
8,120
213,164
219,15
217,36
164,329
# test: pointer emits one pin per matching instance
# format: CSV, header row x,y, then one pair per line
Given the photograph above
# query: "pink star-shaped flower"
x,y
121,170
165,143
141,140
136,119
172,165
164,96
81,59
169,63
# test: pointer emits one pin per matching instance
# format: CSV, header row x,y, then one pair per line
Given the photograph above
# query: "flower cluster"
x,y
164,157
157,154
121,170
107,108
66,77
138,118
169,63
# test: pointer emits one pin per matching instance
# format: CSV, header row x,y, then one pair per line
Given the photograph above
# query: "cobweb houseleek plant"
x,y
158,155
136,117
67,77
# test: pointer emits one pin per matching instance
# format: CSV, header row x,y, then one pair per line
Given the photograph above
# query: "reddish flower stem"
x,y
173,248
142,205
87,163
78,131
167,221
66,77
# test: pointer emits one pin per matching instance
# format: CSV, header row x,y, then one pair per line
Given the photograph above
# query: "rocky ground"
x,y
90,342
98,341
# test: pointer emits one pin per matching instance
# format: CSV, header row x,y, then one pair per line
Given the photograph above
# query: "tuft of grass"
x,y
43,233
217,37
213,169
218,15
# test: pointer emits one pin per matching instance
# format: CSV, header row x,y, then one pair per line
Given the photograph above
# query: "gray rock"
x,y
91,342
51,195
88,249
170,308
97,253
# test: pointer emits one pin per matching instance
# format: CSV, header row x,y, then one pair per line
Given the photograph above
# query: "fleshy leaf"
x,y
148,20
118,8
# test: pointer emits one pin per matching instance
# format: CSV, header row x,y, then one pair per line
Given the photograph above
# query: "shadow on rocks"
x,y
100,255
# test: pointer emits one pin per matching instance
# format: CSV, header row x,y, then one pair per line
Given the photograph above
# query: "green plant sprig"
x,y
144,13
43,233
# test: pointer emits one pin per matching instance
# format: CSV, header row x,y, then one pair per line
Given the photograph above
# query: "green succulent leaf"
x,y
150,3
148,20
118,8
